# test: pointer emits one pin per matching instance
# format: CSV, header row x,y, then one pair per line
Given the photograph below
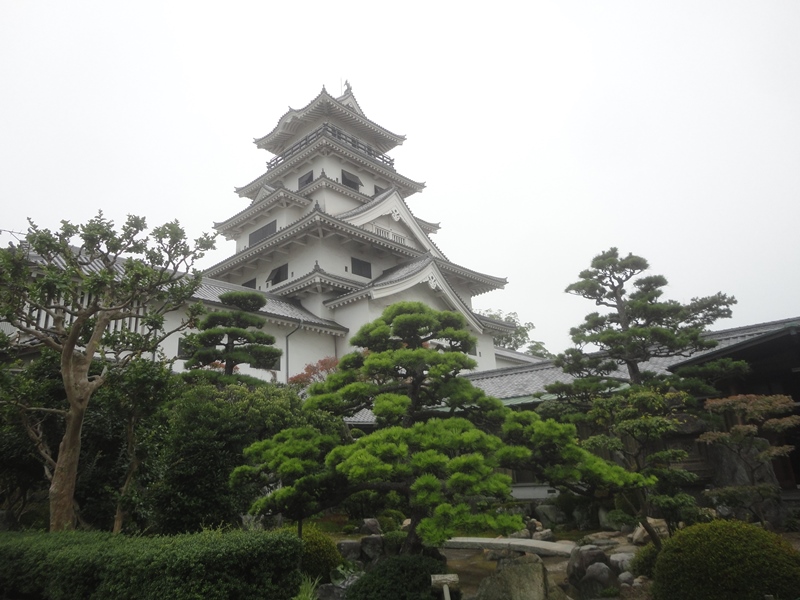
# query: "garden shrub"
x,y
726,559
644,561
406,577
393,541
210,565
320,554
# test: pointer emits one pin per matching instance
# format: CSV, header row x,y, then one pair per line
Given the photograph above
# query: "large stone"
x,y
349,549
550,515
620,561
370,527
522,534
546,535
538,547
581,558
640,537
598,577
523,578
372,547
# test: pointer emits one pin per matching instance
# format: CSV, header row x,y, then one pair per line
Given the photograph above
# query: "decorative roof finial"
x,y
347,88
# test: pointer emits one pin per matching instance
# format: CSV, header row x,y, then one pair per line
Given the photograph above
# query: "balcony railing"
x,y
333,132
390,235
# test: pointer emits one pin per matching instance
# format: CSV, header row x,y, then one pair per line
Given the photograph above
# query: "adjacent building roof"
x,y
516,385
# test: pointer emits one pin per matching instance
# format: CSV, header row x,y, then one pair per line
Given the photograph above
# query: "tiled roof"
x,y
276,307
362,417
517,382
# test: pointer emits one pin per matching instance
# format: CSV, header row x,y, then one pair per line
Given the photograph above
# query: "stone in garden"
x,y
522,534
545,535
370,527
372,547
550,515
621,561
349,549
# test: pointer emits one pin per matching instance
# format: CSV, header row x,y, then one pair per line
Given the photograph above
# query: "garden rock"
x,y
370,527
621,561
640,536
599,577
550,515
349,549
545,535
625,578
581,558
522,534
523,578
372,547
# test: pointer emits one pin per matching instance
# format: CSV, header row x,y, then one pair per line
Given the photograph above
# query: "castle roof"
x,y
345,109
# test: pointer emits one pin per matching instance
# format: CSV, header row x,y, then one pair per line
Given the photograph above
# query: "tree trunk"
x,y
412,544
65,475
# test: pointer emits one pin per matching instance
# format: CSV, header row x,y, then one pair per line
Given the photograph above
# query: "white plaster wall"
x,y
299,347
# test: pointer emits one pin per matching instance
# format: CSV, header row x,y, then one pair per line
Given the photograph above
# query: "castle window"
x,y
361,267
278,274
263,233
350,180
304,180
250,284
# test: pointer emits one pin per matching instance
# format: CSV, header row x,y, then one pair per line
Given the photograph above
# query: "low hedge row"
x,y
203,566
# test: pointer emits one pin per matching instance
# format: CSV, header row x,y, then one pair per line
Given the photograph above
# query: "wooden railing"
x,y
332,132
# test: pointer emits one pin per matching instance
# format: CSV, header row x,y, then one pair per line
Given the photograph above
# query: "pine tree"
x,y
232,337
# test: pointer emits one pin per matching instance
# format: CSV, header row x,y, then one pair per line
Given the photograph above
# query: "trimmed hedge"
x,y
405,577
205,566
721,560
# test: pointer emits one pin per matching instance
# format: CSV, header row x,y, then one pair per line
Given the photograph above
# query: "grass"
x,y
308,589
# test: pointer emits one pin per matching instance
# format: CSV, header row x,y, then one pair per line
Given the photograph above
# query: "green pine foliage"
x,y
233,336
726,559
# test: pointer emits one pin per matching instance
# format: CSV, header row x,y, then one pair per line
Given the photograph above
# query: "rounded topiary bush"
x,y
726,559
320,554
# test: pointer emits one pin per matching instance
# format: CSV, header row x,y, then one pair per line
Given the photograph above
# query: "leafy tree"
x,y
199,440
632,427
92,293
519,337
640,324
110,448
409,372
315,372
438,445
753,420
630,414
232,337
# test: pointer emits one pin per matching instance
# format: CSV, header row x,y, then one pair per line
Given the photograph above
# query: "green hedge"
x,y
722,560
204,566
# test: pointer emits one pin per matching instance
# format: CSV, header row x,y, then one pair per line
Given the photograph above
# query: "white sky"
x,y
546,131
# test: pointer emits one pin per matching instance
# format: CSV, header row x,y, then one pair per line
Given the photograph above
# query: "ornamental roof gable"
x,y
345,109
423,271
392,205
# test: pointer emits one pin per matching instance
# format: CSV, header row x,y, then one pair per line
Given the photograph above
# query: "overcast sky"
x,y
546,132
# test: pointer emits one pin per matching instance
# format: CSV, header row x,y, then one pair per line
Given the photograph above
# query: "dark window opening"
x,y
184,350
250,284
361,267
350,180
304,180
263,233
278,274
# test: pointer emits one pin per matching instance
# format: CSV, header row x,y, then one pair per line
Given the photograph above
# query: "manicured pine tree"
x,y
232,337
